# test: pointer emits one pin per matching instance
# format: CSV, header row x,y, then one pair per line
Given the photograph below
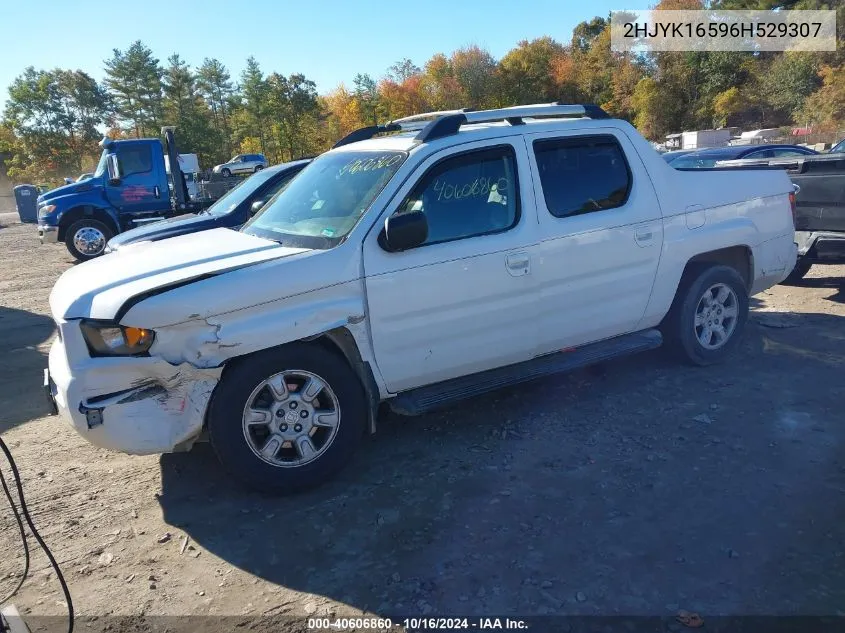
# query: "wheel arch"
x,y
740,258
341,342
86,211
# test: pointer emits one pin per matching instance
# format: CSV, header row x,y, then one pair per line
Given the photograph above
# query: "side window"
x,y
137,159
472,194
582,174
760,153
276,187
788,152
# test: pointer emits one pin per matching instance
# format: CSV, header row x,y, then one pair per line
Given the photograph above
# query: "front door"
x,y
602,236
464,301
143,185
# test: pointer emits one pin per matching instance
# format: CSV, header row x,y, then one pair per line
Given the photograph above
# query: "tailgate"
x,y
820,204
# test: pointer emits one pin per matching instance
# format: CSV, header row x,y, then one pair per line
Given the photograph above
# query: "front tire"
x,y
802,267
287,419
226,172
87,238
708,316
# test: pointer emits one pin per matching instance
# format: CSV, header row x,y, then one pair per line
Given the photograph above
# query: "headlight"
x,y
47,208
111,339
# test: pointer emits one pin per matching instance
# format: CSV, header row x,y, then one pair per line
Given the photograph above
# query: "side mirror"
x,y
256,206
113,169
404,231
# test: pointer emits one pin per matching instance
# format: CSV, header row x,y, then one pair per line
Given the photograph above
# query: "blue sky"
x,y
327,40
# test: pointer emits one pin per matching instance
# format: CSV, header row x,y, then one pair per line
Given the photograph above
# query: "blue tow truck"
x,y
130,187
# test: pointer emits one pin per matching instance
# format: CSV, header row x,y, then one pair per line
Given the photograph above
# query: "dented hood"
x,y
99,289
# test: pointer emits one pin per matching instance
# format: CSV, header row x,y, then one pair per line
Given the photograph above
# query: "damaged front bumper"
x,y
137,405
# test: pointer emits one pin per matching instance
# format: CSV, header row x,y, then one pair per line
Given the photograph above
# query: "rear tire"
x,y
258,168
708,316
266,431
87,238
802,267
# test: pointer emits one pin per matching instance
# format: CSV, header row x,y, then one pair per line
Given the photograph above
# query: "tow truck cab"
x,y
131,185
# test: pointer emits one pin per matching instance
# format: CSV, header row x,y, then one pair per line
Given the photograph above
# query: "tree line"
x,y
53,119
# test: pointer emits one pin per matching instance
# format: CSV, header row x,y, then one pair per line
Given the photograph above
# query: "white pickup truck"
x,y
416,263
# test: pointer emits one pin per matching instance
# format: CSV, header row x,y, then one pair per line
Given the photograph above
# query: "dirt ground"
x,y
639,488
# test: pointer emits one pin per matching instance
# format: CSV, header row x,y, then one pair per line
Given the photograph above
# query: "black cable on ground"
x,y
23,539
34,530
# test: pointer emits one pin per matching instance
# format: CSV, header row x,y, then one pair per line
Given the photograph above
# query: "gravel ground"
x,y
640,487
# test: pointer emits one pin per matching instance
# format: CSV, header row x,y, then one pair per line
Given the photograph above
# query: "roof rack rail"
x,y
451,123
427,116
433,125
362,134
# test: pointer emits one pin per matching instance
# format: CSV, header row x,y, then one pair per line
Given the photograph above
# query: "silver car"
x,y
242,164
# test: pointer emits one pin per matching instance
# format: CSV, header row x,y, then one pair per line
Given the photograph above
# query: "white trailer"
x,y
700,139
190,166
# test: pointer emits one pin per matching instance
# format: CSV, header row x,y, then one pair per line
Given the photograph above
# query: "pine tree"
x,y
134,79
214,83
185,108
254,96
366,94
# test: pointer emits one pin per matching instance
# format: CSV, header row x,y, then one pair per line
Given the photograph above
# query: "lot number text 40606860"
x,y
416,624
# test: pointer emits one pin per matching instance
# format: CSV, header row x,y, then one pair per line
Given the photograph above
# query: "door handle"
x,y
518,263
644,237
156,191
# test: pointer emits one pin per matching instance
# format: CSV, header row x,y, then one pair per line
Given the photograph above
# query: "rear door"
x,y
602,236
465,301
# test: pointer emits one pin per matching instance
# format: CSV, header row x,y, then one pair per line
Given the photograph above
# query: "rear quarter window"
x,y
582,174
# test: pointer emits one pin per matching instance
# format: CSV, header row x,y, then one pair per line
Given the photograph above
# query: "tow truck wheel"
x,y
709,313
86,239
287,419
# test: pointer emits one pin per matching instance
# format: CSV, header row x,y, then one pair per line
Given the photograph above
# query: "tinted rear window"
x,y
582,174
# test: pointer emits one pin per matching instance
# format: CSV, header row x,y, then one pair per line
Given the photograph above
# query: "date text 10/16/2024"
x,y
415,624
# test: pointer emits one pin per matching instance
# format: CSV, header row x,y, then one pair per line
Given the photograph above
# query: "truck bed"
x,y
820,202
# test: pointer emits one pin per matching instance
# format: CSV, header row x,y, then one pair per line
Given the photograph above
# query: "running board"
x,y
448,392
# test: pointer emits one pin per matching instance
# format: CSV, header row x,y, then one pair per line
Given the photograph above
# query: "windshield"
x,y
233,197
325,201
101,166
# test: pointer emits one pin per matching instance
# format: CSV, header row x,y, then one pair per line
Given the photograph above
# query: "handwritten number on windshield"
x,y
369,164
